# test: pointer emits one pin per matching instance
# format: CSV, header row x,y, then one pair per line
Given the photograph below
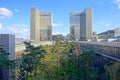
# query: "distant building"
x,y
117,32
67,37
40,25
19,40
75,25
81,25
58,37
94,35
106,34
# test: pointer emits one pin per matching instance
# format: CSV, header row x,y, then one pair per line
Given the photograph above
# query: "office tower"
x,y
40,25
81,25
75,25
7,43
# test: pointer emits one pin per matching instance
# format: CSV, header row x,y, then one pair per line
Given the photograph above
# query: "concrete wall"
x,y
21,47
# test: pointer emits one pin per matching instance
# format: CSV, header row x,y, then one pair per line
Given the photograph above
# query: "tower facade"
x,y
75,25
81,25
7,42
40,25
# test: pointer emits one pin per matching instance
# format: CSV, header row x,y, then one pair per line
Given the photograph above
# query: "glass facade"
x,y
75,25
81,23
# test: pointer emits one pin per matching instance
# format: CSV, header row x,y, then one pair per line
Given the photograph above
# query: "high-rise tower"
x,y
40,25
81,25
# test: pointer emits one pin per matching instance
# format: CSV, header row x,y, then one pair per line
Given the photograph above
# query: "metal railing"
x,y
111,49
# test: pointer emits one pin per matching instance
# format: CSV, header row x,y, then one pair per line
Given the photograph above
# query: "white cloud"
x,y
25,30
108,25
0,26
16,10
19,25
56,33
57,24
5,13
111,25
117,2
17,28
20,30
17,31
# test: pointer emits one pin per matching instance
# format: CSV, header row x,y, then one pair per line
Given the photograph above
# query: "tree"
x,y
6,65
113,71
64,61
51,60
87,70
29,61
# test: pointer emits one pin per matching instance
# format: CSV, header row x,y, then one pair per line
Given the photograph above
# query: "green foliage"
x,y
86,68
29,62
4,59
62,61
113,71
7,64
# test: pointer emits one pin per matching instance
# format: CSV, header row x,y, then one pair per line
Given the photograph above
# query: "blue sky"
x,y
15,14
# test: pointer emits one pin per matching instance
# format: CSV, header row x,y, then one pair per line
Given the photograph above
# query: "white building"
x,y
117,32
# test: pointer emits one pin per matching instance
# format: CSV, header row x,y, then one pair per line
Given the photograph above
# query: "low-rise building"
x,y
106,34
58,37
117,32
